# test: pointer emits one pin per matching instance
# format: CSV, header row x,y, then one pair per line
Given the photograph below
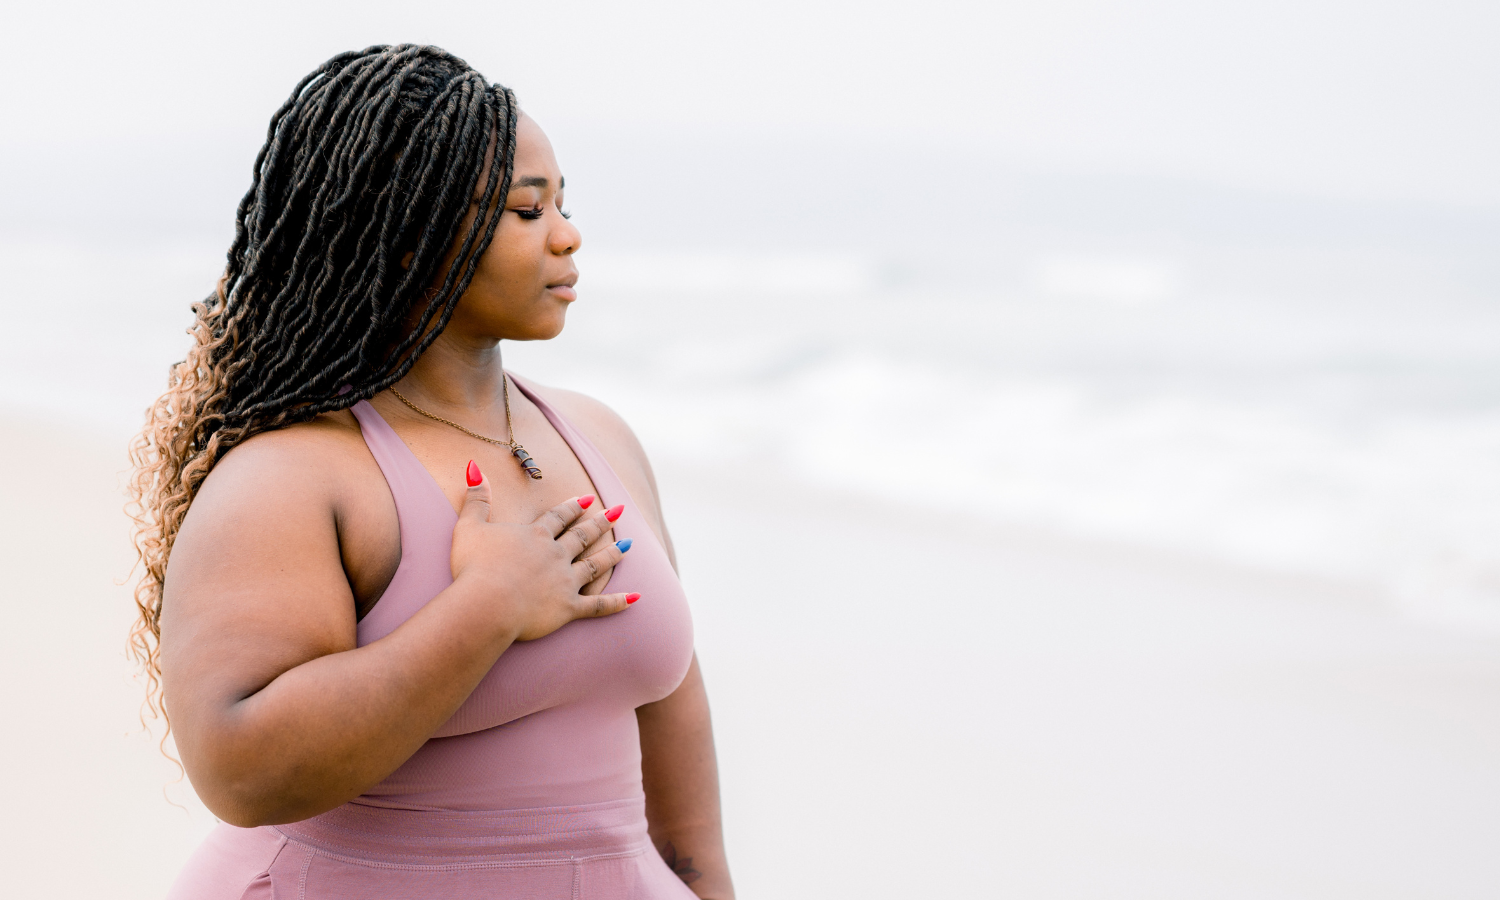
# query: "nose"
x,y
565,239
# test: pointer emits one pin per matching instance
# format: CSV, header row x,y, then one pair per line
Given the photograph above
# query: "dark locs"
x,y
336,278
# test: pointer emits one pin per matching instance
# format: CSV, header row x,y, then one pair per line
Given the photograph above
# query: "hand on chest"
x,y
515,496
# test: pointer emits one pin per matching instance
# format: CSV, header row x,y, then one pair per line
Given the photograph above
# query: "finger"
x,y
586,539
477,497
557,519
583,534
596,564
603,605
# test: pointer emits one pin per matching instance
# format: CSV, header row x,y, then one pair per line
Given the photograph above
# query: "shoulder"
x,y
308,466
302,452
305,502
595,419
609,432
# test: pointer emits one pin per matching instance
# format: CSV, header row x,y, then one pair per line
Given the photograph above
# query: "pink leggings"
x,y
576,852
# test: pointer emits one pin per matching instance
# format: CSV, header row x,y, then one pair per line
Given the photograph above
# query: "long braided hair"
x,y
332,289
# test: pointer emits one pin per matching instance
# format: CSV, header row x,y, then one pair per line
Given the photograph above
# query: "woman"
x,y
403,656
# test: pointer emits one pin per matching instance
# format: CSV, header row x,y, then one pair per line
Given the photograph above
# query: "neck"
x,y
458,374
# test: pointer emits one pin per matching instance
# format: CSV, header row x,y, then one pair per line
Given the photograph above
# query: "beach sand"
x,y
907,703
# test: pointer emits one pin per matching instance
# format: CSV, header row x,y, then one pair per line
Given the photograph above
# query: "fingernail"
x,y
472,474
613,513
631,598
623,545
585,501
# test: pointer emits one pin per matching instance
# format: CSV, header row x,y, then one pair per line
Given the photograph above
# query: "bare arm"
x,y
681,779
278,715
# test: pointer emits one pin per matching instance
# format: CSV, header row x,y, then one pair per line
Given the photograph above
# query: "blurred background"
x,y
1079,422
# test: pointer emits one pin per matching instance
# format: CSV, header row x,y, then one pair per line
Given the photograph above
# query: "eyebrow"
x,y
537,181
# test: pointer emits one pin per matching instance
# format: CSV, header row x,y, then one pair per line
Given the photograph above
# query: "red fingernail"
x,y
614,513
631,598
472,474
585,501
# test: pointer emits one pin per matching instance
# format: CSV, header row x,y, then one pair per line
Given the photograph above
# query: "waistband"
x,y
408,836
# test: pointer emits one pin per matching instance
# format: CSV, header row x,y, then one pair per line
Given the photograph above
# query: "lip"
x,y
564,289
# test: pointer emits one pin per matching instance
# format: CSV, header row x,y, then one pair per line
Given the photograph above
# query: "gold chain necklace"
x,y
516,449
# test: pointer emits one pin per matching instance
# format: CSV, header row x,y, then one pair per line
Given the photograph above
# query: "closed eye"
x,y
536,212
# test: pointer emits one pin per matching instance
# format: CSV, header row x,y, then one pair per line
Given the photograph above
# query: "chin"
x,y
541,330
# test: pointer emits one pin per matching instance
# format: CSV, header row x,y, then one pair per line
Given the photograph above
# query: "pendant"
x,y
527,462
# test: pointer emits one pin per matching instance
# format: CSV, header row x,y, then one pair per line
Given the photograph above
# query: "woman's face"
x,y
524,282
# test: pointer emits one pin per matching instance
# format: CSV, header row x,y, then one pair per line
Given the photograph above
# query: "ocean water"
x,y
1327,411
1128,400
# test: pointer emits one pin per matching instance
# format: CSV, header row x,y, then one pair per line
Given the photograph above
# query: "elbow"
x,y
249,775
240,816
250,806
248,781
249,792
229,784
244,803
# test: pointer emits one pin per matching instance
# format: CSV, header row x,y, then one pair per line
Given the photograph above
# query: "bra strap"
x,y
601,473
426,520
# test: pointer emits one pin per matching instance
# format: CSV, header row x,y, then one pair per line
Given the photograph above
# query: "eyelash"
x,y
537,212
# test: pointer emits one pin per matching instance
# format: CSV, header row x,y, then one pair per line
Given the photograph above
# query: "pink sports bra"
x,y
553,723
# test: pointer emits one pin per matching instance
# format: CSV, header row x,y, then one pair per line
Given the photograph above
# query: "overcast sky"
x,y
1344,98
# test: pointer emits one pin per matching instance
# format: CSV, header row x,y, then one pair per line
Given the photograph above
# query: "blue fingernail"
x,y
623,545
